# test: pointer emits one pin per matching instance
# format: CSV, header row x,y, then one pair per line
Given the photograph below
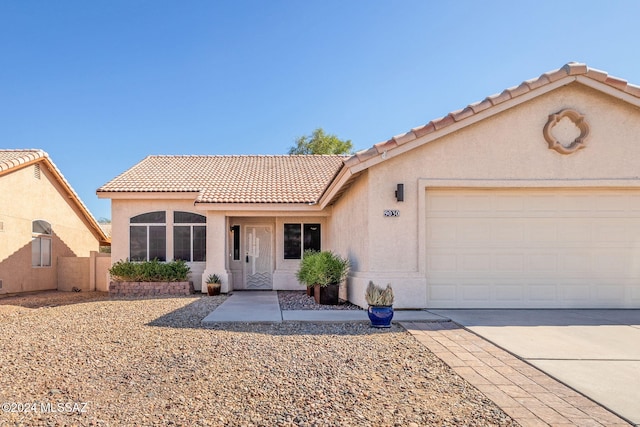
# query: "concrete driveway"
x,y
596,352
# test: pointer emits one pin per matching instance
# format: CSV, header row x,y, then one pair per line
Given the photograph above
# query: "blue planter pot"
x,y
380,316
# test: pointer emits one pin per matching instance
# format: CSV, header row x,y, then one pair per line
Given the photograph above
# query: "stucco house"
x,y
44,226
527,199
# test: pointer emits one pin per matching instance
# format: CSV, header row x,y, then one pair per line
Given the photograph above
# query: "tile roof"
x,y
233,179
572,70
11,160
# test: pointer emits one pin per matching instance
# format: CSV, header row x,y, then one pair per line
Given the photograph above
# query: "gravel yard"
x,y
148,362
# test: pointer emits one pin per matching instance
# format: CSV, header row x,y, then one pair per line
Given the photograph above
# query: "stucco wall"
x,y
351,235
73,273
103,263
23,199
507,149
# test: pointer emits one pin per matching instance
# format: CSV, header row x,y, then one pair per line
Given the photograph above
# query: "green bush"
x,y
322,268
150,271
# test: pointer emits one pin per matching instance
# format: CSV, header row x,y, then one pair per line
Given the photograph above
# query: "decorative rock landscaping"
x,y
147,362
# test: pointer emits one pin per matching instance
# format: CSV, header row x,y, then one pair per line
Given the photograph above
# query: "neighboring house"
x,y
42,220
529,198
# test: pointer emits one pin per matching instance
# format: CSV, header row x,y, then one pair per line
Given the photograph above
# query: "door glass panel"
x,y
258,262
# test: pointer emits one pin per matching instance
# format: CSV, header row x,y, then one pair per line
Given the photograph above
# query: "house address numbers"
x,y
391,212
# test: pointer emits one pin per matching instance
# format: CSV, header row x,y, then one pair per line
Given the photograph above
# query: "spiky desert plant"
x,y
377,296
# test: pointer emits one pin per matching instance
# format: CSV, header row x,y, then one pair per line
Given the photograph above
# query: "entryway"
x,y
258,263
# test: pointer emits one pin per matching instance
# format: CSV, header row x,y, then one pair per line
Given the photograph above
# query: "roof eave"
x,y
95,227
191,195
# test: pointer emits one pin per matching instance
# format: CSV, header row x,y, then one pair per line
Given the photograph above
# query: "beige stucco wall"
x,y
23,199
74,273
103,263
507,149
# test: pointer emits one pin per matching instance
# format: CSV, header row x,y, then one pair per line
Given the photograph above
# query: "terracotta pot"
x,y
213,289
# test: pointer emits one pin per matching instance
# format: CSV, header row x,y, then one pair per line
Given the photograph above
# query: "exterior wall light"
x,y
400,193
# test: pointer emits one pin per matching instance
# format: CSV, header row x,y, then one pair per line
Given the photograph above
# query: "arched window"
x,y
41,243
189,237
148,237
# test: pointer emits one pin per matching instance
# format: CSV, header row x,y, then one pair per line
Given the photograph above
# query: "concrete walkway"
x,y
263,307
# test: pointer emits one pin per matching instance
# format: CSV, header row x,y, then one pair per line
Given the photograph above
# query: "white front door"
x,y
258,259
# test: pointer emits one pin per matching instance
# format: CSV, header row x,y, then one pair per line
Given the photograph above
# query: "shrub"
x,y
377,296
322,268
150,271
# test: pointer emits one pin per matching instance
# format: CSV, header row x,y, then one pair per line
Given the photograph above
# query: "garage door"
x,y
533,248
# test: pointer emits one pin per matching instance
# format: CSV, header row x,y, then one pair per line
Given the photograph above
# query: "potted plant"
x,y
306,273
380,305
213,285
324,271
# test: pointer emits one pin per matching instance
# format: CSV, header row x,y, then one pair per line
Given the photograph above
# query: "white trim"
x,y
623,183
266,210
157,195
609,90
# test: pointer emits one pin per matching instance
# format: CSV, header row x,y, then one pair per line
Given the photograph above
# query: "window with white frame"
x,y
189,237
41,243
299,238
148,237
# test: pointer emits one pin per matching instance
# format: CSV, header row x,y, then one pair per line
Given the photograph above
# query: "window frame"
x,y
193,227
151,229
38,237
300,242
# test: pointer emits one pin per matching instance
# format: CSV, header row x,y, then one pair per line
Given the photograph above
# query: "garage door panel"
x,y
574,262
543,263
574,293
611,263
509,262
612,294
542,293
533,248
508,293
479,262
476,292
443,294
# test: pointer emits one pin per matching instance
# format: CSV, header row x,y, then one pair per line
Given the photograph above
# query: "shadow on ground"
x,y
42,299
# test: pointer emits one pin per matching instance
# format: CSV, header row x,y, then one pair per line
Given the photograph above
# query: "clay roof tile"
x,y
232,179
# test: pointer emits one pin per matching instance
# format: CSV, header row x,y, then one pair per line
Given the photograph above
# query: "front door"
x,y
258,265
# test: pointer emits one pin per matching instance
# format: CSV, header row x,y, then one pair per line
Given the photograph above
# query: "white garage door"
x,y
533,248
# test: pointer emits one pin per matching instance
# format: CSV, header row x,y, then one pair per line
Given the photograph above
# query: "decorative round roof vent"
x,y
566,131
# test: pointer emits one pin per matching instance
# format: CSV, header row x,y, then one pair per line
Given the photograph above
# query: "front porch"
x,y
261,251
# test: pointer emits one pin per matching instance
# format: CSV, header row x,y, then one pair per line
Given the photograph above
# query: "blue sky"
x,y
99,85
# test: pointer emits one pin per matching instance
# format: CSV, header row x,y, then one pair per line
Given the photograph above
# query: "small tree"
x,y
321,143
